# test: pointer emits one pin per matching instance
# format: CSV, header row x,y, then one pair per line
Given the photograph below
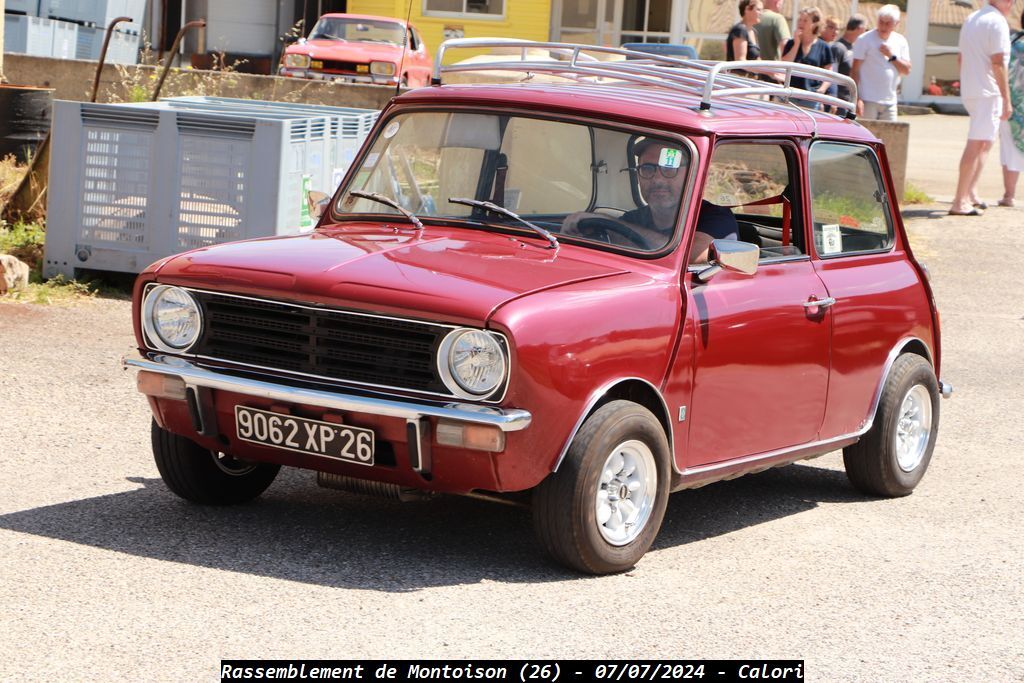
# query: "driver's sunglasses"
x,y
647,171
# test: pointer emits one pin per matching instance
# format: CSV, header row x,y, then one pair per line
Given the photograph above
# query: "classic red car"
x,y
579,296
360,49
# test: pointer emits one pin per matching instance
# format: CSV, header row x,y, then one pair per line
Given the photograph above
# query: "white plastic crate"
x,y
349,128
123,47
65,40
95,12
139,182
28,35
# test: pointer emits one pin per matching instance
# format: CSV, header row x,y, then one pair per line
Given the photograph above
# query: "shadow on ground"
x,y
299,532
933,213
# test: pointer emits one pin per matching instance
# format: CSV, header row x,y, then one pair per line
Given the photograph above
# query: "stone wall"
x,y
72,79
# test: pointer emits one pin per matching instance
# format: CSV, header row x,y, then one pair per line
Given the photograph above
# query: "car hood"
x,y
457,275
347,52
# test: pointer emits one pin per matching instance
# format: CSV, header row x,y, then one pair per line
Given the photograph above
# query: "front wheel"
x,y
208,477
892,457
599,513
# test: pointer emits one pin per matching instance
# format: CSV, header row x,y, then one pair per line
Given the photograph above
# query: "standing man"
x,y
773,31
985,92
842,49
880,58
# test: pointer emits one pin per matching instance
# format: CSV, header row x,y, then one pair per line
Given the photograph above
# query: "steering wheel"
x,y
598,229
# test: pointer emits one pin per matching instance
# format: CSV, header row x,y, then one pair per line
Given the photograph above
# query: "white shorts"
x,y
985,112
1010,154
876,111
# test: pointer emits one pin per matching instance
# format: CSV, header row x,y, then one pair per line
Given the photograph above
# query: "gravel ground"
x,y
104,575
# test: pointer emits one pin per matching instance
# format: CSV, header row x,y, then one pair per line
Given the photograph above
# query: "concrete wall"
x,y
896,136
72,80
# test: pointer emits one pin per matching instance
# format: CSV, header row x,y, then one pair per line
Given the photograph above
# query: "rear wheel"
x,y
892,457
599,513
208,477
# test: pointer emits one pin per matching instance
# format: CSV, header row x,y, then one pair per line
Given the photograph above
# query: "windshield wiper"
x,y
494,208
373,196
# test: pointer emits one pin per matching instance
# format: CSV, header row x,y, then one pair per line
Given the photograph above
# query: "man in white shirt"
x,y
880,58
985,93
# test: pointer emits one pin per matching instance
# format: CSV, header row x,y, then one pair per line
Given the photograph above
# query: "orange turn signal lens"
x,y
471,436
159,385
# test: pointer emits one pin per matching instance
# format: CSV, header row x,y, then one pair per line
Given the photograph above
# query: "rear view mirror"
x,y
318,202
732,255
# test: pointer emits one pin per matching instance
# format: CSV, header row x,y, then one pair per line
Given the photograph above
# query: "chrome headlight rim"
x,y
297,60
153,338
448,377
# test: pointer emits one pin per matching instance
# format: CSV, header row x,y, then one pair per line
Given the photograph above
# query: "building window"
x,y
483,7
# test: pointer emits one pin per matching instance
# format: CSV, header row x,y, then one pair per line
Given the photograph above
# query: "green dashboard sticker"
x,y
670,158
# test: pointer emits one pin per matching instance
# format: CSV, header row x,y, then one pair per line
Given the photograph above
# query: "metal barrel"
x,y
24,119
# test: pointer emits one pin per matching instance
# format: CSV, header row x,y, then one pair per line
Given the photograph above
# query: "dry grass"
x,y
11,173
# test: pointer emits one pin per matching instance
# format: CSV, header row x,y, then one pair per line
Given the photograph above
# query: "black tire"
x,y
565,507
204,476
873,464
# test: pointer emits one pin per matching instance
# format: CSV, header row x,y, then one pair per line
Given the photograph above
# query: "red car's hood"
x,y
456,275
347,52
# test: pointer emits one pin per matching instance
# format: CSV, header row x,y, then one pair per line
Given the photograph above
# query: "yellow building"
x,y
438,20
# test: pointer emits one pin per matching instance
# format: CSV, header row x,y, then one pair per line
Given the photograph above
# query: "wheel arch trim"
x,y
913,345
664,417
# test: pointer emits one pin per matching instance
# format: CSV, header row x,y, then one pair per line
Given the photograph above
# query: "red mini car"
x,y
579,295
360,49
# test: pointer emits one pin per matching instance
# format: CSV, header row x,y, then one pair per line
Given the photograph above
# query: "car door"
x,y
761,342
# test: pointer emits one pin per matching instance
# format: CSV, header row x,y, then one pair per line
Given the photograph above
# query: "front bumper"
x,y
293,72
194,376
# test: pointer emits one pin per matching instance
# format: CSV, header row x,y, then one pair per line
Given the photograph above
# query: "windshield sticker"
x,y
391,129
831,239
670,158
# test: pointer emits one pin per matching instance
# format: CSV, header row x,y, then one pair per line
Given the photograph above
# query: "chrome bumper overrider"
x,y
507,420
945,388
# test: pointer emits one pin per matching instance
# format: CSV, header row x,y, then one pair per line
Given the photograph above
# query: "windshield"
x,y
573,180
357,30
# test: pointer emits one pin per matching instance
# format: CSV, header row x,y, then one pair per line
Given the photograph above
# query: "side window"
x,y
847,200
754,181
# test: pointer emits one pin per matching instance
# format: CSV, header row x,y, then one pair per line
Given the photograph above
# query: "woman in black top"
x,y
805,47
742,38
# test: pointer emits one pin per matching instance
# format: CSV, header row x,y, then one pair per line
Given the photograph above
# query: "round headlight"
x,y
171,318
472,363
297,61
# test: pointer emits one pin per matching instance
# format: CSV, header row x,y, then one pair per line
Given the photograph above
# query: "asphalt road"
x,y
104,575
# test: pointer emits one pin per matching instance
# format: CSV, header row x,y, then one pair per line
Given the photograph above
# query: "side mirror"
x,y
318,203
732,255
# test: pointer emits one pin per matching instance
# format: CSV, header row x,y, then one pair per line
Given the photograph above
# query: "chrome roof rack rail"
x,y
709,81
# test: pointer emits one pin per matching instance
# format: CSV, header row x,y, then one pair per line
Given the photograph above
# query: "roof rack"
x,y
709,80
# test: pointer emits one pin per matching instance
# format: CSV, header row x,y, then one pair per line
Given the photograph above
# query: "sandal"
x,y
972,212
980,205
1006,202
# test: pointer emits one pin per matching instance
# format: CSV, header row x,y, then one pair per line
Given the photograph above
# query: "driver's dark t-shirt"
x,y
714,220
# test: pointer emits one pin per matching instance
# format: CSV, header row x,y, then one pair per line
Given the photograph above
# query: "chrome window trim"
x,y
697,267
812,445
503,340
597,396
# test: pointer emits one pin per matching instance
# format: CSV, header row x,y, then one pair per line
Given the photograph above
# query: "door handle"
x,y
819,303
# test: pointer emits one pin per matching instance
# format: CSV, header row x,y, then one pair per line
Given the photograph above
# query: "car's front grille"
x,y
339,66
363,349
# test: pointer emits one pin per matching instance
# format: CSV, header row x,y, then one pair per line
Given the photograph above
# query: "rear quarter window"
x,y
848,201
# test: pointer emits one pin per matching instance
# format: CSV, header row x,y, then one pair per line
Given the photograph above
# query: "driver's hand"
x,y
570,226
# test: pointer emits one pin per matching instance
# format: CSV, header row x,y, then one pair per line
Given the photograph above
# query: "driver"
x,y
661,174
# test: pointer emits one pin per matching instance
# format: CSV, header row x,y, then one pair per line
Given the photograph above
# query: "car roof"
x,y
651,105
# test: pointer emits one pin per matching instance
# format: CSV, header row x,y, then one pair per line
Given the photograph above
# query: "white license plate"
x,y
313,437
